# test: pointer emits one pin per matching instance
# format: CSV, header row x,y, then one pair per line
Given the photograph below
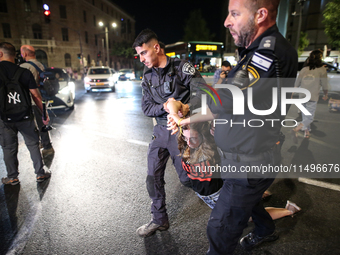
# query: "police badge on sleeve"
x,y
188,68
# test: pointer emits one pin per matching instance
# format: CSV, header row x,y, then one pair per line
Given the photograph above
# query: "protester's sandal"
x,y
290,206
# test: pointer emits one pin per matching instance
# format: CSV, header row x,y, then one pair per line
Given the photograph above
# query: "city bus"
x,y
205,56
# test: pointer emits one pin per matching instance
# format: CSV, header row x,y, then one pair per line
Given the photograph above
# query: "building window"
x,y
37,32
86,37
64,32
27,5
67,59
62,9
7,30
84,15
41,56
96,40
94,21
3,6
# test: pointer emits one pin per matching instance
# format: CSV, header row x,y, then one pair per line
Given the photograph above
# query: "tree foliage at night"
x,y
332,22
196,28
303,42
122,49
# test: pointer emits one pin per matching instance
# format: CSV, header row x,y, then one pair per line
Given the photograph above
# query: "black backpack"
x,y
49,85
15,99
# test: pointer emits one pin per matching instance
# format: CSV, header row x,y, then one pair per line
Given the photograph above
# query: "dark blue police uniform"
x,y
244,146
159,84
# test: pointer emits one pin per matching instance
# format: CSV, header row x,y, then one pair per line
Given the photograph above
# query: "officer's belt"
x,y
161,121
243,157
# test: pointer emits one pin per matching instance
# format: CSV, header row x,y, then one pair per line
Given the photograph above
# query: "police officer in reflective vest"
x,y
164,79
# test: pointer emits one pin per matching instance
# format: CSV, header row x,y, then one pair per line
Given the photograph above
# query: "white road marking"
x,y
138,142
25,230
321,184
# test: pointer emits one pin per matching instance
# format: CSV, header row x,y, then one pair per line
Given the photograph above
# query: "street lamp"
x,y
107,39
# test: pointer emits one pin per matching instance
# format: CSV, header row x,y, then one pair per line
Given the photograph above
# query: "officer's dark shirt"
x,y
153,87
26,78
242,138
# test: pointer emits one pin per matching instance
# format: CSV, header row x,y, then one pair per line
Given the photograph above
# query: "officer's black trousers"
x,y
240,198
161,148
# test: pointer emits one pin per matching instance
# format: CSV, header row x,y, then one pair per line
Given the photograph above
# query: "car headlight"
x,y
111,78
87,79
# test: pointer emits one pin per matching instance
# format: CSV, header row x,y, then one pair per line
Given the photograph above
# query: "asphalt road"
x,y
97,198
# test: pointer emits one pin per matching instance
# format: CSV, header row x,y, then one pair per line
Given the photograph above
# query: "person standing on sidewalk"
x,y
26,126
312,77
28,54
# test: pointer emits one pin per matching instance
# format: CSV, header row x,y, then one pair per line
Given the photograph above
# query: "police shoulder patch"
x,y
261,61
188,68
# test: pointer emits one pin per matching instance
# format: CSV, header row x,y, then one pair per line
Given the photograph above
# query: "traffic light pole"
x,y
81,48
107,46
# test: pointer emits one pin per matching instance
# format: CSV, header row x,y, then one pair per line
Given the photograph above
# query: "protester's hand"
x,y
325,97
47,119
184,110
165,105
172,124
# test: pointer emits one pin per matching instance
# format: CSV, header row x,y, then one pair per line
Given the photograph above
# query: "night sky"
x,y
167,18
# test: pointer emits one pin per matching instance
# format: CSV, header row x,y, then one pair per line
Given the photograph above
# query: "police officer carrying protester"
x,y
165,79
264,55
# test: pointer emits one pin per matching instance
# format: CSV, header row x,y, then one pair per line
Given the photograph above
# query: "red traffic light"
x,y
47,13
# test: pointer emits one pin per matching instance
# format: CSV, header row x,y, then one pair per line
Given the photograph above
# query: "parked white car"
x,y
66,93
99,78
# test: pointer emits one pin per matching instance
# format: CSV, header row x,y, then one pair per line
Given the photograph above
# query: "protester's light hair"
x,y
206,149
